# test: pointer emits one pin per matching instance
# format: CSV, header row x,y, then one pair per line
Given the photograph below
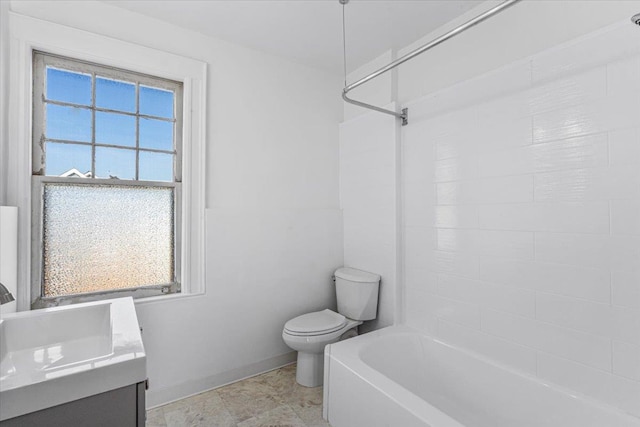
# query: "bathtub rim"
x,y
348,354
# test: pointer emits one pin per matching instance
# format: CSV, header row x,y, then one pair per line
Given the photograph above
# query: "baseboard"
x,y
164,395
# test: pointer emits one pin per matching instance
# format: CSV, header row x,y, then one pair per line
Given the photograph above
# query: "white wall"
x,y
368,196
522,215
274,228
4,98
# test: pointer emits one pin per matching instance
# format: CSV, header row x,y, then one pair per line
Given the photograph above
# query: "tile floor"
x,y
273,399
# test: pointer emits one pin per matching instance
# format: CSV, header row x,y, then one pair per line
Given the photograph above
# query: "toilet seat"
x,y
316,323
309,334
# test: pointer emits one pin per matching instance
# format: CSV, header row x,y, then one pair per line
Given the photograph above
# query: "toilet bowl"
x,y
308,335
357,298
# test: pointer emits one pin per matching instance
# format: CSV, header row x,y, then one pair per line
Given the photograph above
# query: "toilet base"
x,y
310,369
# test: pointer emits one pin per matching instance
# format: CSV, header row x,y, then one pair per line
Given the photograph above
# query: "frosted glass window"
x,y
99,237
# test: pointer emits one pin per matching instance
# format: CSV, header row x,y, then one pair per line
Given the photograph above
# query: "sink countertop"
x,y
56,355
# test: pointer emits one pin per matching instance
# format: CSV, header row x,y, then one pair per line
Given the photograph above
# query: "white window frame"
x,y
29,35
42,60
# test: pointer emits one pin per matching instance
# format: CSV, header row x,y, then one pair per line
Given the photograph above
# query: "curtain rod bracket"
x,y
403,115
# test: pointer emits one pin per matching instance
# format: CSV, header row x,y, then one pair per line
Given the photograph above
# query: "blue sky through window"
x,y
63,157
75,124
115,95
67,86
156,134
68,123
115,163
156,102
115,129
156,166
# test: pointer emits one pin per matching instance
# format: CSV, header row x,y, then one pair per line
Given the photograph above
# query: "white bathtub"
x,y
399,378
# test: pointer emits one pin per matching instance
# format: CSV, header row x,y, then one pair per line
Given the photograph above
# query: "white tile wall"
x,y
504,351
521,216
625,360
625,288
611,389
505,298
592,350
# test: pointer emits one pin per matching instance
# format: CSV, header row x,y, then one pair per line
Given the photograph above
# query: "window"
x,y
106,182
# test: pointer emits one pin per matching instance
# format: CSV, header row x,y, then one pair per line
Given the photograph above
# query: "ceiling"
x,y
308,31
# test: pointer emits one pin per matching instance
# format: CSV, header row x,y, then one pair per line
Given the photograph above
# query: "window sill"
x,y
146,300
167,298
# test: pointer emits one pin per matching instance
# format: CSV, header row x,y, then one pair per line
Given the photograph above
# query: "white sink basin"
x,y
57,355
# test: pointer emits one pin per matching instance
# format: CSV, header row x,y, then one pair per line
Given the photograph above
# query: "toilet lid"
x,y
324,321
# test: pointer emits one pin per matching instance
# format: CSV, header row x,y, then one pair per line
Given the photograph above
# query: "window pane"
x,y
115,95
68,123
115,129
156,102
70,160
156,134
99,238
155,166
115,163
67,86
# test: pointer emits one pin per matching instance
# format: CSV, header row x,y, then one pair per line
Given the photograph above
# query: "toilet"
x,y
357,295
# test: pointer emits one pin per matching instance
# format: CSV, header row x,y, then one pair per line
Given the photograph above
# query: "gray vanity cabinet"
x,y
122,407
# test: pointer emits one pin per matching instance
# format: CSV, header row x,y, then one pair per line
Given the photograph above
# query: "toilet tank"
x,y
357,293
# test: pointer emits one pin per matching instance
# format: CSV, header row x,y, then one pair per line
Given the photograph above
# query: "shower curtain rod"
x,y
404,114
